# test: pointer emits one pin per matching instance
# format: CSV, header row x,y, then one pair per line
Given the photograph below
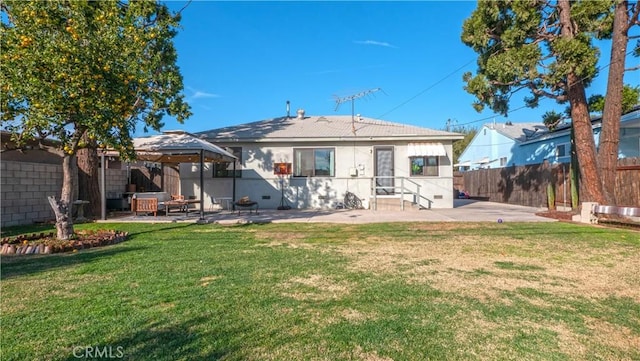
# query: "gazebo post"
x,y
233,196
103,187
202,184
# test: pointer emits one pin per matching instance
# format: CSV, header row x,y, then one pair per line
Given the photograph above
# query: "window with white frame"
x,y
424,166
314,162
563,151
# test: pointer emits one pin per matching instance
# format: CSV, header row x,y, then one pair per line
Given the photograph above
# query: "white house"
x,y
327,157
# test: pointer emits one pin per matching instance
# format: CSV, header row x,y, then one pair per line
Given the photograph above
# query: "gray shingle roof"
x,y
520,132
324,127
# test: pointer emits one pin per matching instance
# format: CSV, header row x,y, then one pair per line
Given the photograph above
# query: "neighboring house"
x,y
496,145
499,145
328,156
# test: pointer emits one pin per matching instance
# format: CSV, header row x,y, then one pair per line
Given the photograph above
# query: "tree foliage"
x,y
520,47
87,72
460,145
630,98
545,49
100,67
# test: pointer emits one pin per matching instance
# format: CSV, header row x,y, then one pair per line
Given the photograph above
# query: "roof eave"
x,y
337,139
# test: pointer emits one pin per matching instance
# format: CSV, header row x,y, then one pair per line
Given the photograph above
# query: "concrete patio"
x,y
464,211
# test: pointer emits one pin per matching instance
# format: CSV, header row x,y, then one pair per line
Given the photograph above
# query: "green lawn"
x,y
396,291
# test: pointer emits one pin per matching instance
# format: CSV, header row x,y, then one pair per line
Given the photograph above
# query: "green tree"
x,y
460,145
543,47
86,73
630,98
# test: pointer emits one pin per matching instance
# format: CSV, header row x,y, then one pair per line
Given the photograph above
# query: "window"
x,y
424,166
314,162
225,169
503,161
562,150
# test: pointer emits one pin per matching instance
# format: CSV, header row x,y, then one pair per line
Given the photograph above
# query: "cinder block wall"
x,y
24,188
116,182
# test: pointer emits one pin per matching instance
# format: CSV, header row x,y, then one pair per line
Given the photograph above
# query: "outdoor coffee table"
x,y
182,204
251,206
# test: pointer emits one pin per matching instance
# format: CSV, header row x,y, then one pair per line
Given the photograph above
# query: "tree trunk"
x,y
63,207
574,173
584,142
88,185
610,133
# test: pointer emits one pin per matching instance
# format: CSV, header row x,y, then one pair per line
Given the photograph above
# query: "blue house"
x,y
498,145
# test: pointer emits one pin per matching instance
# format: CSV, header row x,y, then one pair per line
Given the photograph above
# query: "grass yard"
x,y
397,291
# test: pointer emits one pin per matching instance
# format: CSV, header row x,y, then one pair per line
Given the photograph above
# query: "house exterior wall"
x,y
536,152
259,182
489,143
629,143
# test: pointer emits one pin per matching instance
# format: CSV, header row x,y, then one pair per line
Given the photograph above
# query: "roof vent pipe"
x,y
300,113
288,110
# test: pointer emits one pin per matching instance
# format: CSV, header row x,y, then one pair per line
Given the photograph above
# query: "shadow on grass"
x,y
160,341
139,229
16,266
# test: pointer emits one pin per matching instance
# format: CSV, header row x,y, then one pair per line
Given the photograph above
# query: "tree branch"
x,y
633,19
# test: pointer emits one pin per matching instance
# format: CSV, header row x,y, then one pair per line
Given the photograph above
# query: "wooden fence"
x,y
166,178
527,185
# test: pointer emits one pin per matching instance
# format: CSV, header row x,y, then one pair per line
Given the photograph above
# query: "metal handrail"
x,y
402,189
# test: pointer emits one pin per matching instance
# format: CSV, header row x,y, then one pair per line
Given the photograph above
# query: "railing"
x,y
417,197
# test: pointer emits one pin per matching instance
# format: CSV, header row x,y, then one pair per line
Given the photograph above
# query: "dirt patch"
x,y
314,287
471,267
559,215
205,281
615,336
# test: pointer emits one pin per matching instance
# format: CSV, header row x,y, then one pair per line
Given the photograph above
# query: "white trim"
x,y
426,150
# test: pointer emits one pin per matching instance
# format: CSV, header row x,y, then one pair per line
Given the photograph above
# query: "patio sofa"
x,y
149,202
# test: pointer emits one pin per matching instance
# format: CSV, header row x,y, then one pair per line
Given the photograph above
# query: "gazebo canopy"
x,y
178,147
174,147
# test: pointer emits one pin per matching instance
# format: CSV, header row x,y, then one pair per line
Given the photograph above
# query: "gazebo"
x,y
171,147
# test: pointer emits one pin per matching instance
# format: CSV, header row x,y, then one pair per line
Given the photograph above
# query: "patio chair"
x,y
215,205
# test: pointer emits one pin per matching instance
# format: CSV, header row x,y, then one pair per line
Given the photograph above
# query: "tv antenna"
x,y
352,99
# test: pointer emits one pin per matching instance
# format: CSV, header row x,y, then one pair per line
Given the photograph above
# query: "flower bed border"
x,y
47,243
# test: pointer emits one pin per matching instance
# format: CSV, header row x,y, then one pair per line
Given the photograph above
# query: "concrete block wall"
x,y
25,186
116,182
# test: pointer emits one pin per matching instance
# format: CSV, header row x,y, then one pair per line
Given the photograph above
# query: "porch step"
x,y
393,204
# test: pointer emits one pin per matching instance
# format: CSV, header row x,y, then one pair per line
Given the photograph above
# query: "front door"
x,y
384,170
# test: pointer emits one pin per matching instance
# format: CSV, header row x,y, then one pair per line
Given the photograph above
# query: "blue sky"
x,y
241,61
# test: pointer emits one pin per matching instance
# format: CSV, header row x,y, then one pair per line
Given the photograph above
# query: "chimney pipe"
x,y
288,110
